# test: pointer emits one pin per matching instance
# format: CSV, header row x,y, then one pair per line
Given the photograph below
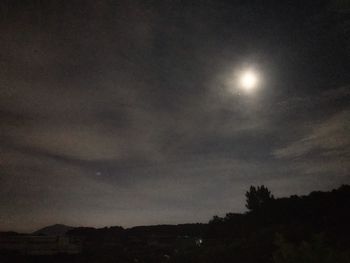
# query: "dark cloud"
x,y
125,112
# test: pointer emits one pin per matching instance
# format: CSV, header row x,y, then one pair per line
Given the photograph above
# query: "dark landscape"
x,y
311,228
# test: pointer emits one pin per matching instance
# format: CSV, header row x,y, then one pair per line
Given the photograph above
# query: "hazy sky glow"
x,y
123,112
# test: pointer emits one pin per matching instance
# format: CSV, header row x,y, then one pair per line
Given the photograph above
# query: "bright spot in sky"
x,y
248,80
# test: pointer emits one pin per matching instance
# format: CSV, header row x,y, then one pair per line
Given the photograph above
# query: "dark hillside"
x,y
310,228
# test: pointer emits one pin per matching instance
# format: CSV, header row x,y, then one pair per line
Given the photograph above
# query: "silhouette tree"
x,y
216,220
258,197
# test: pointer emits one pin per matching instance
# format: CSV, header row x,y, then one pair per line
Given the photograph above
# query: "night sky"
x,y
129,113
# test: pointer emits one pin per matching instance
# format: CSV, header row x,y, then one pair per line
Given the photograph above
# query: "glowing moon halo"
x,y
248,80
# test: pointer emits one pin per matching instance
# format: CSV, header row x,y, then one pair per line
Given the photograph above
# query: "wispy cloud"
x,y
330,137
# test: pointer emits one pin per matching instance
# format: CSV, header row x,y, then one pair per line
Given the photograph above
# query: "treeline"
x,y
138,233
312,228
297,229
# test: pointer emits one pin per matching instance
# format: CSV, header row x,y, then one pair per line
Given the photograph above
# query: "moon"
x,y
248,80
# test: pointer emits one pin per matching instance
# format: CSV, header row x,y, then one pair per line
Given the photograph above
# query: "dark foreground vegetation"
x,y
298,229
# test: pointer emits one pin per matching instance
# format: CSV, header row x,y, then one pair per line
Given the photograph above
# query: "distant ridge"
x,y
54,230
